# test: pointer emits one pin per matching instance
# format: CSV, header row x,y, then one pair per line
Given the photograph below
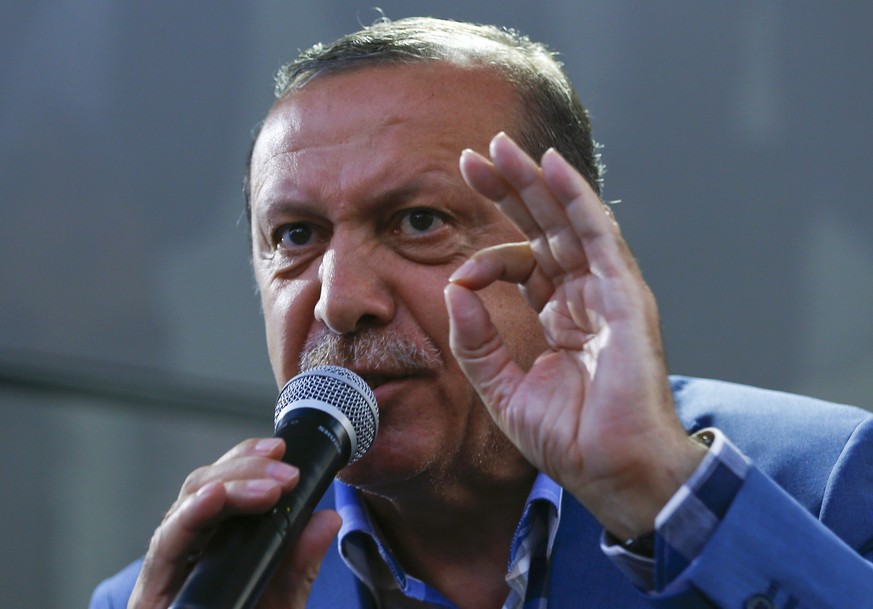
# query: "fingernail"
x,y
267,445
494,140
462,271
470,153
282,472
553,153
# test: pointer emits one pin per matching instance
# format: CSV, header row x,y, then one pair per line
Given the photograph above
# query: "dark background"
x,y
737,136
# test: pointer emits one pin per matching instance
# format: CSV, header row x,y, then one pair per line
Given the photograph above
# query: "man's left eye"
x,y
420,220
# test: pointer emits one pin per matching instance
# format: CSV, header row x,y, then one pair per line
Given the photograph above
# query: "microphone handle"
x,y
242,556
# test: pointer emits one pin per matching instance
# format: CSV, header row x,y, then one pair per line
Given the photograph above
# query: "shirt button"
x,y
759,601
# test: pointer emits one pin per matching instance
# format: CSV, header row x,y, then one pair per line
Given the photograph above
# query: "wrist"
x,y
629,508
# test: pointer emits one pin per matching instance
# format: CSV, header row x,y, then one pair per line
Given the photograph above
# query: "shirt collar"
x,y
359,539
350,504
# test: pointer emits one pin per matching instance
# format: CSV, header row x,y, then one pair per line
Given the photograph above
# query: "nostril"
x,y
368,320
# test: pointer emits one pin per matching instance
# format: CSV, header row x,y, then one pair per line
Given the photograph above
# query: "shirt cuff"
x,y
686,522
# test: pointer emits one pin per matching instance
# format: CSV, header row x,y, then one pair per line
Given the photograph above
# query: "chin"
x,y
385,466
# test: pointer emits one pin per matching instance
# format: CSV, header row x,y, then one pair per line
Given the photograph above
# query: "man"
x,y
536,427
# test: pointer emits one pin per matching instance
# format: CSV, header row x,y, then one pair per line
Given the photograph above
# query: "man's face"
x,y
359,216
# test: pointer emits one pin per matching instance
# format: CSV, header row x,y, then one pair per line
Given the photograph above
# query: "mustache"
x,y
370,349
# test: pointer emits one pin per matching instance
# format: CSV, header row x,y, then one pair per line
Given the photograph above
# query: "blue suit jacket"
x,y
799,534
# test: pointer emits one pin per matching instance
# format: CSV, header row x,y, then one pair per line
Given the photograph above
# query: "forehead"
x,y
417,106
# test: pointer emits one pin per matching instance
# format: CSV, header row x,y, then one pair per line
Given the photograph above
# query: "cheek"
x,y
288,319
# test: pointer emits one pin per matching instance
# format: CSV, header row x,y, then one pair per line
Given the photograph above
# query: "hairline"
x,y
517,117
531,71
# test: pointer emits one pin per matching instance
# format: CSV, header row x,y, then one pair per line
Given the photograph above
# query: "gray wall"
x,y
737,136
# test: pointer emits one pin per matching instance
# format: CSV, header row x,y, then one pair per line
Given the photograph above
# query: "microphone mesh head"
x,y
342,389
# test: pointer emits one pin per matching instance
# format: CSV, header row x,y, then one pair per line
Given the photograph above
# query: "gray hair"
x,y
553,116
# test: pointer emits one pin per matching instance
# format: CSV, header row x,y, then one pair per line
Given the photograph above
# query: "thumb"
x,y
293,581
479,349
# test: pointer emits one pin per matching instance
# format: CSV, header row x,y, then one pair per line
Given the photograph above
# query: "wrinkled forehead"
x,y
432,103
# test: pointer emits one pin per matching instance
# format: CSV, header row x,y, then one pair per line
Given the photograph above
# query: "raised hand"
x,y
247,479
595,410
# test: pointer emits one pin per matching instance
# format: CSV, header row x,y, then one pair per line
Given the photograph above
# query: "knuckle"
x,y
194,481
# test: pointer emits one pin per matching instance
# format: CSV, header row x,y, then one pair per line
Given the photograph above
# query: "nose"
x,y
354,294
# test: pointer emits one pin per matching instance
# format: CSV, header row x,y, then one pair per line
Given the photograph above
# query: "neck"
x,y
456,536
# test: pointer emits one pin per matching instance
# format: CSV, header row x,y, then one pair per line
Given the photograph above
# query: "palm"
x,y
601,383
567,400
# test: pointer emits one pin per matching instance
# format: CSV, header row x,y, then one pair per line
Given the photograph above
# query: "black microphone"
x,y
328,419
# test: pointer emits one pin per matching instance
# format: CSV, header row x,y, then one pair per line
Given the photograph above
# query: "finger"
x,y
242,469
482,176
262,447
249,460
293,582
523,176
479,349
511,262
166,562
592,221
536,201
188,526
186,523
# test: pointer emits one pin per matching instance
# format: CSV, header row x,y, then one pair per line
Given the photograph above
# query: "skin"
x,y
352,174
565,375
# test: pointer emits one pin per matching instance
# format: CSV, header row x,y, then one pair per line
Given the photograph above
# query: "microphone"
x,y
328,419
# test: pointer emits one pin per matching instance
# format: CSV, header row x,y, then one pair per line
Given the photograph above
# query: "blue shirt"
x,y
363,549
798,532
682,528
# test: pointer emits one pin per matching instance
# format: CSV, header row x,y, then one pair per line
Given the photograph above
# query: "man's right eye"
x,y
291,236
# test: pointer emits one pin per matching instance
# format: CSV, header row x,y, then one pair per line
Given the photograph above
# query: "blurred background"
x,y
737,136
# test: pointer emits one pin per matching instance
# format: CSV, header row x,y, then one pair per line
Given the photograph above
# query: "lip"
x,y
385,386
